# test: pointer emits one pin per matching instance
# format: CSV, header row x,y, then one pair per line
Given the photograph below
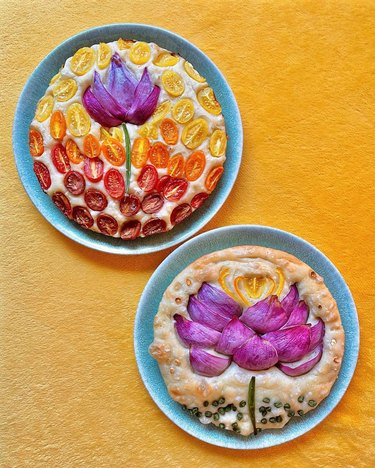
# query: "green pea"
x,y
278,404
300,412
272,420
206,403
287,406
222,426
301,398
208,414
263,421
216,416
239,416
312,403
266,400
221,410
242,403
215,403
291,413
221,400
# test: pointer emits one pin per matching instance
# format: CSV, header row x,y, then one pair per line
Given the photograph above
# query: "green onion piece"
x,y
251,403
266,400
242,403
206,403
222,426
216,416
301,398
278,404
208,414
263,421
128,160
221,400
312,403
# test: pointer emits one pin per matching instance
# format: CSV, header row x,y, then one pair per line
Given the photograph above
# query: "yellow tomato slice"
x,y
57,125
207,100
173,83
117,133
114,152
194,133
78,120
82,61
104,133
140,149
55,78
65,89
124,44
140,53
176,166
148,131
73,152
166,59
44,108
104,55
192,72
160,112
218,143
183,110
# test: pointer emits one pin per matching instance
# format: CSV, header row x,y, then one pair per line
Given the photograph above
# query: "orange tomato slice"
x,y
35,143
213,177
159,155
140,149
176,166
91,146
73,152
195,165
114,152
57,125
169,131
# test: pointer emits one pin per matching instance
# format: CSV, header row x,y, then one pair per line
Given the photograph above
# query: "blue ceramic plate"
x,y
221,239
38,83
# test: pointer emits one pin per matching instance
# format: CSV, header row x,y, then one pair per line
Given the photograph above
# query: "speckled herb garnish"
x,y
263,421
215,403
208,414
300,412
278,404
242,403
216,416
312,403
266,400
301,398
221,410
291,413
287,406
251,403
128,157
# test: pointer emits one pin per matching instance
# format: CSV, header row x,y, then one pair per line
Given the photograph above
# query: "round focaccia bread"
x,y
219,325
137,179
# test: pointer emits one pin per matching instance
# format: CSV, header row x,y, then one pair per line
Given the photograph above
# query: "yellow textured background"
x,y
303,73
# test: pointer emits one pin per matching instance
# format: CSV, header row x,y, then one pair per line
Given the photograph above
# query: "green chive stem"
x,y
251,403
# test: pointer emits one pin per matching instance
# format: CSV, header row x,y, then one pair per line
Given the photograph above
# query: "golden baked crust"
x,y
220,269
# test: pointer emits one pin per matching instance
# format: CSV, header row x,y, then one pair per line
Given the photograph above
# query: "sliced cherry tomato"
x,y
169,131
162,183
175,189
130,205
207,100
93,169
198,199
114,183
35,143
176,166
82,61
107,224
95,200
62,203
60,159
43,175
159,155
213,177
140,53
130,230
82,216
195,165
91,146
166,59
113,151
152,203
73,152
57,125
44,108
148,178
173,83
140,151
154,226
78,120
195,133
75,182
65,89
180,213
104,55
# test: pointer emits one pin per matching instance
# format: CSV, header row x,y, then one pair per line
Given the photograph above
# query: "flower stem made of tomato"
x,y
251,403
128,159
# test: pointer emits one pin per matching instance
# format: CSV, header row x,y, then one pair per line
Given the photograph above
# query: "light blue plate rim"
x,y
218,239
35,88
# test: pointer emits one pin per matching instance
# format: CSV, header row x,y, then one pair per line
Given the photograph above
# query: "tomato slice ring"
x,y
43,175
198,199
213,177
159,155
93,169
113,151
169,131
148,178
152,203
62,203
195,165
36,145
130,230
175,189
162,182
60,159
176,166
139,153
73,152
130,205
82,216
154,226
91,146
107,224
180,213
75,182
95,200
114,183
57,125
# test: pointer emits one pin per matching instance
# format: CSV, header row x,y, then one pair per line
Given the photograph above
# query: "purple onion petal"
x,y
201,313
139,113
207,364
97,111
234,334
144,87
291,343
290,300
121,82
265,316
194,333
316,333
256,354
298,315
106,99
214,297
303,367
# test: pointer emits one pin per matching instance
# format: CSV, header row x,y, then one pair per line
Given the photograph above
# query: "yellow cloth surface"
x,y
303,73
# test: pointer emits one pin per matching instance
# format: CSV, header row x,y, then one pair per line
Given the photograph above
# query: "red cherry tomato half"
x,y
60,159
154,226
74,182
162,182
148,178
62,203
130,205
198,199
82,216
95,200
114,183
180,213
152,203
107,224
175,189
93,169
43,175
130,230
